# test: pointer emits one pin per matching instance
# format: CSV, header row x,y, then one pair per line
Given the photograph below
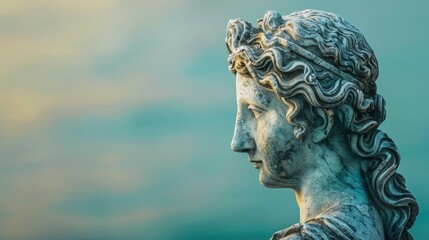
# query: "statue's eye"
x,y
257,112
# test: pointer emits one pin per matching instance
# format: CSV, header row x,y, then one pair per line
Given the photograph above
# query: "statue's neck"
x,y
332,184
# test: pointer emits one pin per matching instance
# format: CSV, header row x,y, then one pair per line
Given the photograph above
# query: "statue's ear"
x,y
323,125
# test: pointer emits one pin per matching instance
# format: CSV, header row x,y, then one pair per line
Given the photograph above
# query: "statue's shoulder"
x,y
346,223
323,227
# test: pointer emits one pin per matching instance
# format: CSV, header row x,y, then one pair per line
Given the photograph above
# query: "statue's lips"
x,y
256,163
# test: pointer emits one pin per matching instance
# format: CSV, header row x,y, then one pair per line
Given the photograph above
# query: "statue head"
x,y
312,76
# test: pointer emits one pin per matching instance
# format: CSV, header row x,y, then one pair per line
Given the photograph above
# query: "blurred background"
x,y
116,117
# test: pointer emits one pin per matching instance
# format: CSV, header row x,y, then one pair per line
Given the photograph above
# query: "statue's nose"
x,y
242,141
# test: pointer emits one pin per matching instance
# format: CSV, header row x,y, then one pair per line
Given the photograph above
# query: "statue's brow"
x,y
254,103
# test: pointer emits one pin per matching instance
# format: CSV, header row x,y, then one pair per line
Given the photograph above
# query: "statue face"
x,y
262,131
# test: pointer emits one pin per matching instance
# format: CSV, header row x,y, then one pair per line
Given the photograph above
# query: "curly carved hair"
x,y
338,71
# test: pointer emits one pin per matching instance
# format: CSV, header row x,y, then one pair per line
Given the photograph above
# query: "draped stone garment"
x,y
345,222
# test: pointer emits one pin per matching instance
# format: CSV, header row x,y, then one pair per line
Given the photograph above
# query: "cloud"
x,y
30,198
50,56
27,107
47,192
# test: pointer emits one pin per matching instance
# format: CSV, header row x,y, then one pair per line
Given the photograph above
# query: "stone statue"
x,y
308,114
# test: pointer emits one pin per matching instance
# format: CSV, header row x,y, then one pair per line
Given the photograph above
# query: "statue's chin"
x,y
268,181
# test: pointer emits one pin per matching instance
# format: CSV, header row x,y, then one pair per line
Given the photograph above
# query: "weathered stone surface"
x,y
308,114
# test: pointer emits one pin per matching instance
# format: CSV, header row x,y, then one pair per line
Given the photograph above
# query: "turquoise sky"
x,y
116,117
